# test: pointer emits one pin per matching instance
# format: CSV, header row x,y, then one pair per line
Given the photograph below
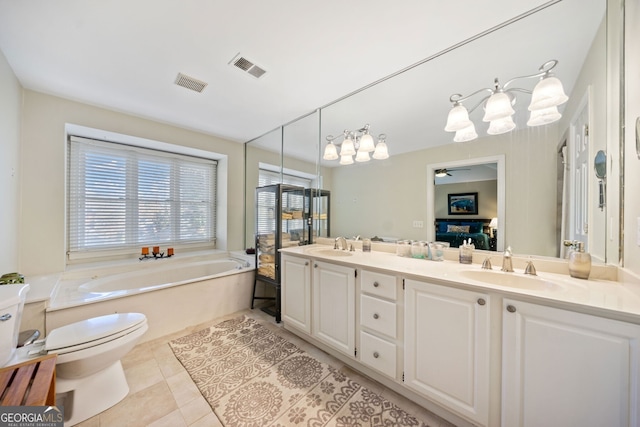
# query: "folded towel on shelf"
x,y
267,258
267,270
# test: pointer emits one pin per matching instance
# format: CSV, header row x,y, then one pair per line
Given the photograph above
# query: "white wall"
x,y
43,145
10,111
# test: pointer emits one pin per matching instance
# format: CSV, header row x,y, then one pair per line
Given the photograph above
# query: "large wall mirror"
x,y
535,175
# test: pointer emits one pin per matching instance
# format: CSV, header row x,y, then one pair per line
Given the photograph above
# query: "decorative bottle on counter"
x,y
465,255
579,262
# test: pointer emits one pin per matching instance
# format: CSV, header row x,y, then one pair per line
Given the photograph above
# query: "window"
x,y
121,196
267,177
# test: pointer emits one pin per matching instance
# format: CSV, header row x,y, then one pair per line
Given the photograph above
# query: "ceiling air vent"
x,y
190,82
247,66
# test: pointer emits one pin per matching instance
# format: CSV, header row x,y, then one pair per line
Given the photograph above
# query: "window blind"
x,y
121,196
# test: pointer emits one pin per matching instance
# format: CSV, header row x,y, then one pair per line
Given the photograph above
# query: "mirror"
x,y
390,198
483,177
600,166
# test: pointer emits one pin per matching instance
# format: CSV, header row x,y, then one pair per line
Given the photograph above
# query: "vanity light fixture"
x,y
359,143
498,105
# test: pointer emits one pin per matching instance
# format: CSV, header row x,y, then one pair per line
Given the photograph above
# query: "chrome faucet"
x,y
341,243
530,269
486,264
506,261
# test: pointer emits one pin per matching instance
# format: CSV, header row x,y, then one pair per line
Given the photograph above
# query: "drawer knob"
x,y
375,315
315,265
376,284
306,263
481,301
375,355
511,308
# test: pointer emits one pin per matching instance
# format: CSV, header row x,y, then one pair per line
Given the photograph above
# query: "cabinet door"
x,y
562,368
447,347
334,306
296,292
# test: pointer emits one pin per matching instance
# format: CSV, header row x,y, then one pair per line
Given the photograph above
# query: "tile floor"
x,y
162,393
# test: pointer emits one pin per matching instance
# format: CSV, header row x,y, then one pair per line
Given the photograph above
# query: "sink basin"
x,y
512,280
330,252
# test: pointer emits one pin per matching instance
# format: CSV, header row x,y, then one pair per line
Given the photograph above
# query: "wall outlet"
x,y
418,224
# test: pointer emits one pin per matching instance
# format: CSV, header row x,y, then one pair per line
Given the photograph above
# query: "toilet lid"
x,y
93,329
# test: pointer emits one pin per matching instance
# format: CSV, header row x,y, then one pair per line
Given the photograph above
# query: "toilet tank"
x,y
12,299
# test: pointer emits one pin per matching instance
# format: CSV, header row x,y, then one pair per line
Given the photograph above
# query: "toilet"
x,y
89,374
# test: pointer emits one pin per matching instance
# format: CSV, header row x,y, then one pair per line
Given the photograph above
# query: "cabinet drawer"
x,y
378,354
383,285
378,315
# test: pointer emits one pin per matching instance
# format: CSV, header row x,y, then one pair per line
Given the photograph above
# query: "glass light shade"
x,y
544,116
458,119
503,125
362,156
466,134
366,144
330,152
498,106
547,93
346,160
347,148
381,152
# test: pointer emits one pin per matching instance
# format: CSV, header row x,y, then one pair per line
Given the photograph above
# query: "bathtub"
x,y
174,294
169,275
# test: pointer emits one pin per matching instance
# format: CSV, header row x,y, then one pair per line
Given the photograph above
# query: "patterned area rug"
x,y
253,377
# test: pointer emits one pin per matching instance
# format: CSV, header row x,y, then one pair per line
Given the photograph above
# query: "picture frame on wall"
x,y
463,204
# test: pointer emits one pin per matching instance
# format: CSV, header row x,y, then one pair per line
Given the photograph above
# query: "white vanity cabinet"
x,y
334,306
561,368
296,294
379,322
447,345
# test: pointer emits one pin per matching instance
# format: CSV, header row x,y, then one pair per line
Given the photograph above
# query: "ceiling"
x,y
125,55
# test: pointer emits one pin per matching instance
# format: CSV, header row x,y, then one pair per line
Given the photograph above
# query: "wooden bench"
x,y
31,383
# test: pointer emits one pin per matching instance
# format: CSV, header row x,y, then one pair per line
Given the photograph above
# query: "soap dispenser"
x,y
579,262
465,255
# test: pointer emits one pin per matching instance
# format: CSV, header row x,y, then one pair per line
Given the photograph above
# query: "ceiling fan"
x,y
445,172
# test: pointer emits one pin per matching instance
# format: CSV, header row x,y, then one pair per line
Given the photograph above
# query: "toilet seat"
x,y
93,332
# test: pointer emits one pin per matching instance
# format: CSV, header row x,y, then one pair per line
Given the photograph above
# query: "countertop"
x,y
618,300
